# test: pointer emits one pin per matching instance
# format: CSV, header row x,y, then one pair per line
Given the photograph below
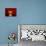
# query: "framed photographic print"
x,y
10,11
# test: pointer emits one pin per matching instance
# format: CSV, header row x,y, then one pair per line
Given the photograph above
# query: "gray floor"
x,y
30,43
7,45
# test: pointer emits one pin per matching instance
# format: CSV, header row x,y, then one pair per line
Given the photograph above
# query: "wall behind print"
x,y
28,12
